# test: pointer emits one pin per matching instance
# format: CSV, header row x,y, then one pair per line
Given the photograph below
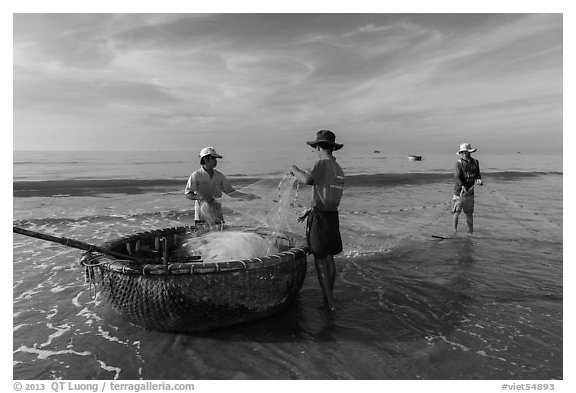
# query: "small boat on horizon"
x,y
415,158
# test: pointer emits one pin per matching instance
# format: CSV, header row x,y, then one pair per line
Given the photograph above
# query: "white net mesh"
x,y
278,218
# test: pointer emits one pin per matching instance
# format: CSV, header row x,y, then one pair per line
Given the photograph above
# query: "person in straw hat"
x,y
466,174
205,187
323,225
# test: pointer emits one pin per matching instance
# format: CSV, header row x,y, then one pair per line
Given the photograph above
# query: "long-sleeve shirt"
x,y
465,173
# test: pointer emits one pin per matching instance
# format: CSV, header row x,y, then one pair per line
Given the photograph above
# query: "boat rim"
x,y
183,265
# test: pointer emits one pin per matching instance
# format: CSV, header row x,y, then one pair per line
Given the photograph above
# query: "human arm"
x,y
244,195
192,196
232,192
209,209
459,179
196,196
303,177
478,175
189,191
193,190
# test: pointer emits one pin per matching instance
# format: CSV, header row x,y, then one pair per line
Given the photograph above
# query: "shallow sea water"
x,y
409,306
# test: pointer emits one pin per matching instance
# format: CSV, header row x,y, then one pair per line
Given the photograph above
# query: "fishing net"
x,y
278,218
212,212
220,246
281,212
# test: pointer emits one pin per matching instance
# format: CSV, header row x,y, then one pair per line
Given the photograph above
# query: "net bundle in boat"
x,y
197,296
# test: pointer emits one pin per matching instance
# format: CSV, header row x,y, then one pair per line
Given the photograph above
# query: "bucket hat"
x,y
326,136
466,147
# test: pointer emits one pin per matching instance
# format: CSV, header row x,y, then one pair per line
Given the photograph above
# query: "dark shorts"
x,y
323,233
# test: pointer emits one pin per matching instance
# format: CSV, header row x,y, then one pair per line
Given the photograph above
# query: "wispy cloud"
x,y
377,75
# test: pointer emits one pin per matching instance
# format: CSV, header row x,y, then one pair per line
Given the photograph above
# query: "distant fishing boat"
x,y
376,151
415,158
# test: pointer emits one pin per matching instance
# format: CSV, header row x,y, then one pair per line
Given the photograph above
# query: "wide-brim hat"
x,y
466,147
326,136
209,151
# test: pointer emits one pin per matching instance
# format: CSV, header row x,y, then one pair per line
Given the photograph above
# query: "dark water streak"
x,y
90,187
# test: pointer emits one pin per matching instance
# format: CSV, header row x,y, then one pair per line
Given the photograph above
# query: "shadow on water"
x,y
399,296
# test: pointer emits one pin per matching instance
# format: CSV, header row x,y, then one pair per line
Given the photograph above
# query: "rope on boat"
x,y
91,261
89,276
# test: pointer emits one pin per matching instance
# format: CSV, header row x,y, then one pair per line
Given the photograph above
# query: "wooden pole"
x,y
72,243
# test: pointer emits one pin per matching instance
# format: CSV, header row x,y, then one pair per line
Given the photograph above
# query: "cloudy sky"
x,y
402,82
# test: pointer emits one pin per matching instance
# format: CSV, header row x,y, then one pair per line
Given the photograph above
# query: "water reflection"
x,y
382,298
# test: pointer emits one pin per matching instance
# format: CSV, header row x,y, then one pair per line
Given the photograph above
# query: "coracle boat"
x,y
160,291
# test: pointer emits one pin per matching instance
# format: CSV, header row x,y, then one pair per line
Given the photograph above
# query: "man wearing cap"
x,y
323,225
466,174
206,185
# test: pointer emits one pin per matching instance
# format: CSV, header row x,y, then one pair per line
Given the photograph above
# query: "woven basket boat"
x,y
182,294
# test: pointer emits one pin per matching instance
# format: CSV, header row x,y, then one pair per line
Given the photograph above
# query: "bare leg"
x,y
331,271
455,219
470,222
323,270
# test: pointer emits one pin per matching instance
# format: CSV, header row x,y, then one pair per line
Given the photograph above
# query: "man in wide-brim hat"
x,y
323,224
466,174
